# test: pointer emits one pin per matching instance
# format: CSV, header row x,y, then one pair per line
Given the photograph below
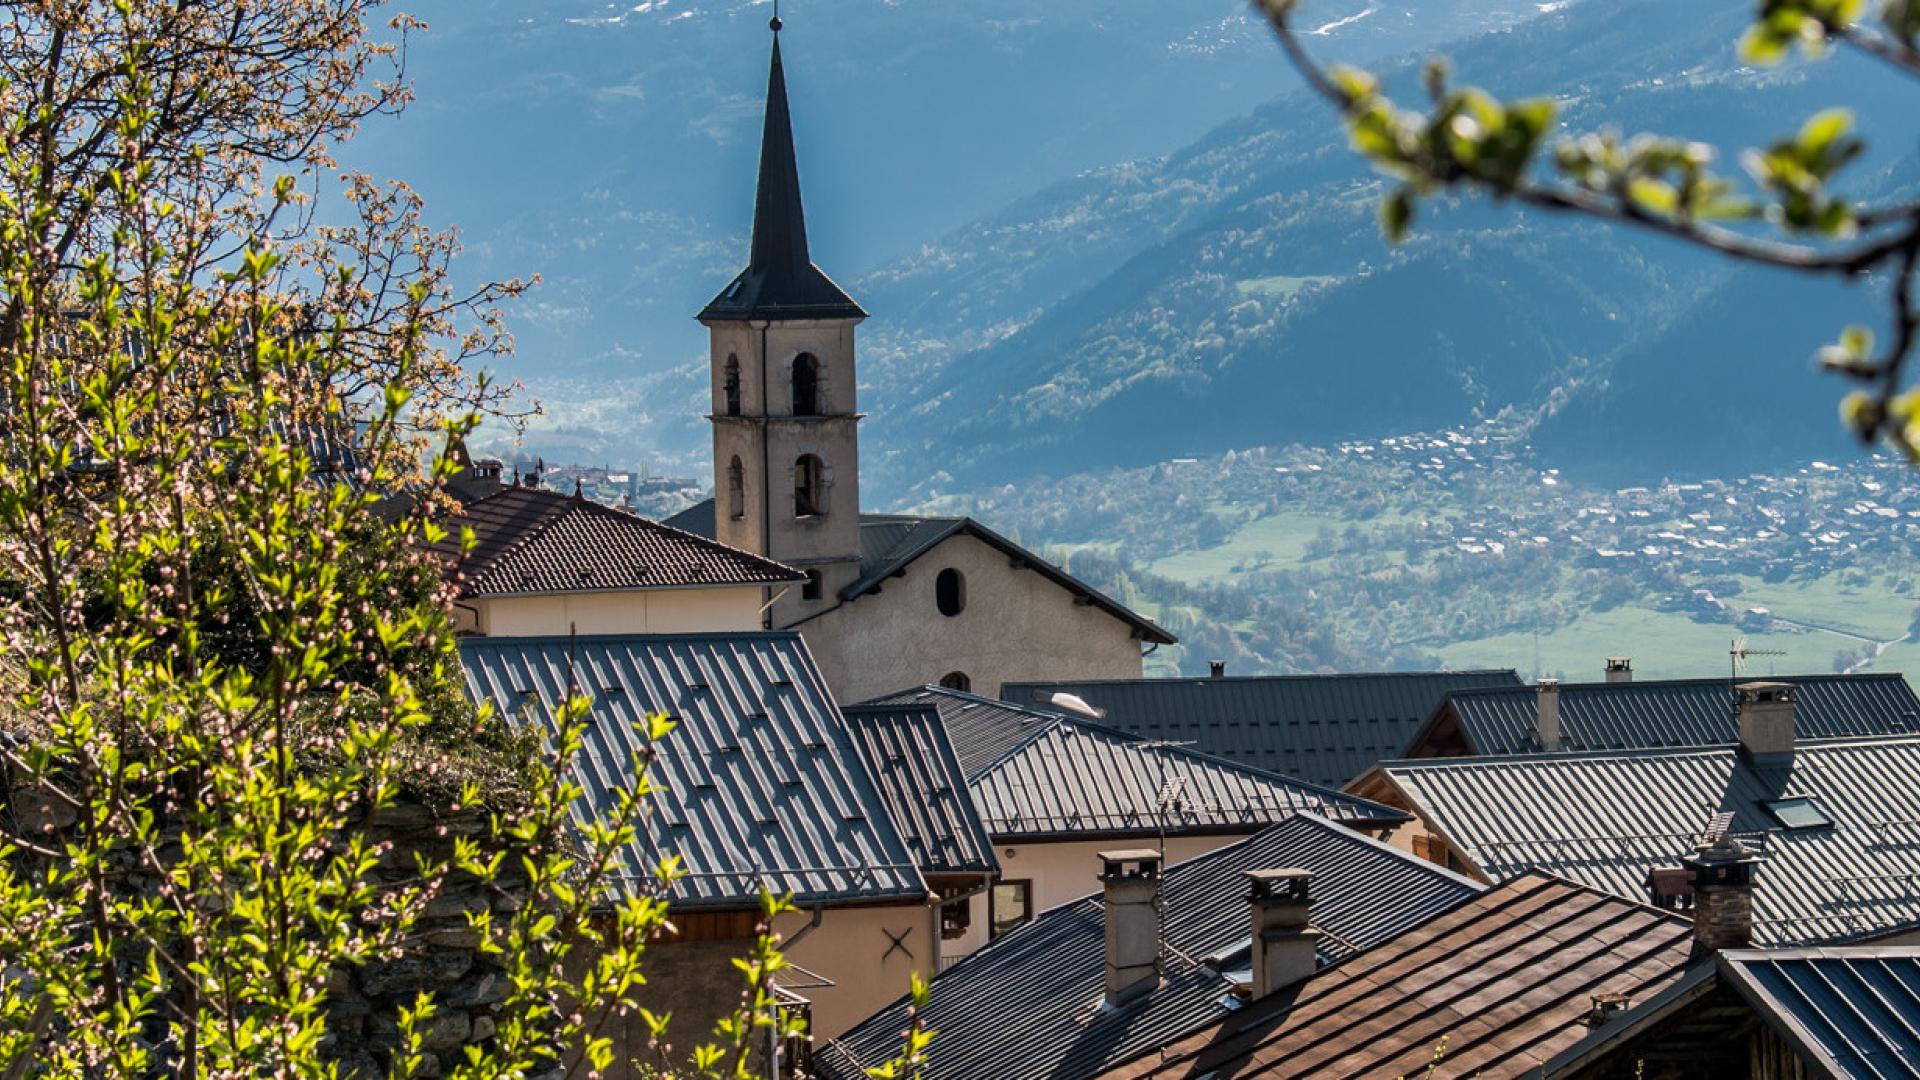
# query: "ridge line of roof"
x,y
1830,742
1649,684
612,513
584,639
1171,680
1046,722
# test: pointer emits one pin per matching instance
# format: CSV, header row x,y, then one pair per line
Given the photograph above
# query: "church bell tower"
x,y
786,451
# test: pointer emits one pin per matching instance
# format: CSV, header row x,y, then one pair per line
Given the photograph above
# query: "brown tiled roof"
x,y
1493,988
530,541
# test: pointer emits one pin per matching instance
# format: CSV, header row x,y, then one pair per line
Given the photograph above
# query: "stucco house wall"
x,y
633,611
1016,625
1066,870
698,983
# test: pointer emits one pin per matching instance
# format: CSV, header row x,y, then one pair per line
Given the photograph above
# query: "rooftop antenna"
x,y
1737,652
774,23
1168,797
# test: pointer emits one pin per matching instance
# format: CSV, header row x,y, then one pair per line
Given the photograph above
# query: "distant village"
x,y
941,744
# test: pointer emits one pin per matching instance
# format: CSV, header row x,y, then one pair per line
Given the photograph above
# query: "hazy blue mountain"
x,y
1235,293
610,147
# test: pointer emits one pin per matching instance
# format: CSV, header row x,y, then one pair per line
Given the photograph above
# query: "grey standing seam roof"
x,y
1026,1005
981,729
1324,728
1066,777
906,749
1682,712
762,785
1604,819
1854,1012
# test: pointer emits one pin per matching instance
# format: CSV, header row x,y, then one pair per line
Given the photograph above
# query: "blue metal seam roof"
x,y
1605,818
1324,728
761,785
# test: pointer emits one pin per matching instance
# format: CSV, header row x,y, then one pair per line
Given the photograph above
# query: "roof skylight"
x,y
1800,812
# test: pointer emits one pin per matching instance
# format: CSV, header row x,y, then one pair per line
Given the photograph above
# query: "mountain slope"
x,y
610,148
1236,293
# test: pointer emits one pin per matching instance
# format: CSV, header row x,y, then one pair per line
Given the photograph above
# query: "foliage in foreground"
x,y
219,660
1470,140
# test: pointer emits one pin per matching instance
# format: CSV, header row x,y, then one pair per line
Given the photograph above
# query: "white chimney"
x,y
1619,669
1546,714
1131,880
1283,942
1766,721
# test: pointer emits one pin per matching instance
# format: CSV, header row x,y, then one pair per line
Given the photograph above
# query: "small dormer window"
x,y
806,385
731,390
957,680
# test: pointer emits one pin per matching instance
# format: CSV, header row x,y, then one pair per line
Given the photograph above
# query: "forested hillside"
x,y
1233,293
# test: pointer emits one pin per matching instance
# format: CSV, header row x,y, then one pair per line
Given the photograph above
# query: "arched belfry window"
x,y
809,487
806,385
950,592
736,490
957,680
732,388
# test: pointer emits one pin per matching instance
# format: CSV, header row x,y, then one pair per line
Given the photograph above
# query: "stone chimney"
x,y
1546,715
1766,721
1217,669
1722,895
1283,942
1619,669
1131,880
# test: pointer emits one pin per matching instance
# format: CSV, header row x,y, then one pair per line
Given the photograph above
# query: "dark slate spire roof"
x,y
780,281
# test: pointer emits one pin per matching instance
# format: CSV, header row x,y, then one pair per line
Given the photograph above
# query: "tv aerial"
x,y
1738,652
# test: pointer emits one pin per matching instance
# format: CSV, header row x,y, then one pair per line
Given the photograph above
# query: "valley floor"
x,y
1461,549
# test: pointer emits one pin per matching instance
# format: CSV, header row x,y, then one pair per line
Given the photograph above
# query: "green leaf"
x,y
1655,196
1396,215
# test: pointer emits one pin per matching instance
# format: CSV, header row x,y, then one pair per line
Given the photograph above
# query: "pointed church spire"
x,y
780,281
779,223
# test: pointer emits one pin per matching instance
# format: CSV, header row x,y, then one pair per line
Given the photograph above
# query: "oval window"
x,y
950,592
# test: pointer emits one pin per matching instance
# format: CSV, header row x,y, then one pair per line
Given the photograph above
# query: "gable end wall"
x,y
1017,626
